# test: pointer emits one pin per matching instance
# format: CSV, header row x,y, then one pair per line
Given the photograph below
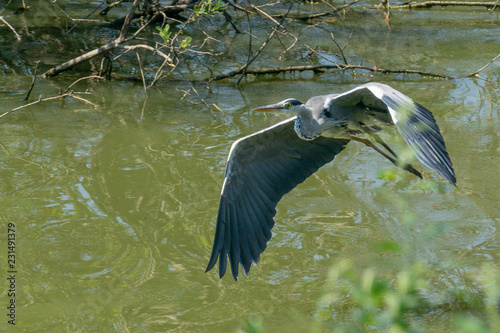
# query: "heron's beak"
x,y
267,108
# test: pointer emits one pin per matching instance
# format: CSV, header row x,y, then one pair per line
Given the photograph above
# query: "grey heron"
x,y
264,166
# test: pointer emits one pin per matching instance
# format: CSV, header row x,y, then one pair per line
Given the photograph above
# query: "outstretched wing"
x,y
415,123
261,168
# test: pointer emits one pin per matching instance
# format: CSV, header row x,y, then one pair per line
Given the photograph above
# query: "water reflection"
x,y
116,206
117,209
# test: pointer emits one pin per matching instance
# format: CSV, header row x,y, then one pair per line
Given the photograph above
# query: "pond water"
x,y
114,207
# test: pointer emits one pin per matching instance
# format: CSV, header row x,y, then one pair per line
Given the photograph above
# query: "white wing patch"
x,y
399,99
379,93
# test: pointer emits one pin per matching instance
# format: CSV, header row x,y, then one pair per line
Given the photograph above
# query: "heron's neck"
x,y
304,112
304,123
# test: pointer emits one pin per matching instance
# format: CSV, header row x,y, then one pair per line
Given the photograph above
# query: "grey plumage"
x,y
264,166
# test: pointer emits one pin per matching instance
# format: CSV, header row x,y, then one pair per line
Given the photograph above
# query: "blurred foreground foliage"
x,y
366,300
414,295
401,303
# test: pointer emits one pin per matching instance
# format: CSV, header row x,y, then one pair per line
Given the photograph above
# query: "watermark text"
x,y
11,273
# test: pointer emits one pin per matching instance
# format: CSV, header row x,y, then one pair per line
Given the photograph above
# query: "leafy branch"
x,y
208,7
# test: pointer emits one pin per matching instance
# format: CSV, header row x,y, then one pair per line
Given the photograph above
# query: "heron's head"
x,y
290,105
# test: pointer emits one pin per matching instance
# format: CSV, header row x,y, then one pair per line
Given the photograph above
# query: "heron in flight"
x,y
264,166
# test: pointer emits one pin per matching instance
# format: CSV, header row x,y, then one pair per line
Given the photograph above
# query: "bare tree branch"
x,y
323,68
105,48
128,20
150,48
320,69
78,60
429,4
11,28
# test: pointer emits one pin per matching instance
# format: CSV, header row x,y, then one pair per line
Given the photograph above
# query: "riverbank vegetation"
x,y
197,43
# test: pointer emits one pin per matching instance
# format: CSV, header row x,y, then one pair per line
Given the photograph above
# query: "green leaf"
x,y
164,33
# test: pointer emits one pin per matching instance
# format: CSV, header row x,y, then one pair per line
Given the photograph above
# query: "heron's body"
x,y
320,115
264,166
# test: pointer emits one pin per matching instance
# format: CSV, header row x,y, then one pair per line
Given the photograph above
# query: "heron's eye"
x,y
287,105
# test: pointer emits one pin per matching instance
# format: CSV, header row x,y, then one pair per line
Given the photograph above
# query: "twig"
x,y
342,52
282,16
83,78
235,6
33,81
230,20
387,8
62,10
479,70
262,47
317,15
108,8
201,98
128,20
150,48
144,106
286,32
340,49
160,71
250,36
142,73
41,100
78,21
11,28
249,46
245,67
83,100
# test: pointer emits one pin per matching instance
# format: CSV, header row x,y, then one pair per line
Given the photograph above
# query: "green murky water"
x,y
115,207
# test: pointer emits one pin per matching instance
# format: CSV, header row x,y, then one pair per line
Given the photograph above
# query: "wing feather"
x,y
261,168
415,123
255,232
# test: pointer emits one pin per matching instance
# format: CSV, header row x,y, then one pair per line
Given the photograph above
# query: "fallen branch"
x,y
429,4
322,68
78,60
117,42
319,69
41,100
105,48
